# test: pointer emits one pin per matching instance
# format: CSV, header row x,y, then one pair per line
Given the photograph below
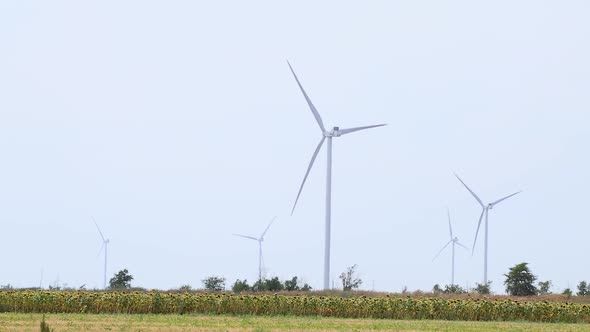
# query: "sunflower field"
x,y
154,302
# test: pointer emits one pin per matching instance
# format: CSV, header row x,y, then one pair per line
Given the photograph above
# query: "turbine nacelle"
x,y
335,132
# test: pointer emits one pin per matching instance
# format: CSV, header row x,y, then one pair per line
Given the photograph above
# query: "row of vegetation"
x,y
235,304
519,281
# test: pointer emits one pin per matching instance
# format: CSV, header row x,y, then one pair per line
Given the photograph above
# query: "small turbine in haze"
x,y
259,240
105,243
485,210
326,135
455,241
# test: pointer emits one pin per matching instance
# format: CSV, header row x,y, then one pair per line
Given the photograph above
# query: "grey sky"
x,y
178,123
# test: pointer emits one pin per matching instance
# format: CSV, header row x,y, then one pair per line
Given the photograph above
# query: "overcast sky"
x,y
178,123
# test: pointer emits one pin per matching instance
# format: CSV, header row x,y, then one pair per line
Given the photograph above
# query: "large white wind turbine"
x,y
259,240
485,210
105,243
455,241
326,134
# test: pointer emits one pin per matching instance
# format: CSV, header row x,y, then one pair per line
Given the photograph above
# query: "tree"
x,y
292,285
121,280
483,289
268,285
349,279
454,289
306,287
185,288
520,281
214,284
240,286
583,289
544,287
273,284
567,292
437,290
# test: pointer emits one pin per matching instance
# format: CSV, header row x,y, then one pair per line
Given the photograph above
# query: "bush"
x,y
44,326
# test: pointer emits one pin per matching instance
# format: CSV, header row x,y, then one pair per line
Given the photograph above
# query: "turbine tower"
x,y
455,241
260,240
326,135
485,210
105,243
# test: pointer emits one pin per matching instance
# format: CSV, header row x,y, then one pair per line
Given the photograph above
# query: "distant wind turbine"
x,y
326,134
455,241
105,243
485,210
259,240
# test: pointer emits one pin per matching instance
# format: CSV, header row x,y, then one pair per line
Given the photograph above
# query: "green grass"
x,y
17,322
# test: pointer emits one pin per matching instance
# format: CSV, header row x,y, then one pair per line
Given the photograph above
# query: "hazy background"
x,y
178,123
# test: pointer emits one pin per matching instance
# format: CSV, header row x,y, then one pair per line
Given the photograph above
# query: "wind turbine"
x,y
260,240
326,135
485,210
105,243
455,241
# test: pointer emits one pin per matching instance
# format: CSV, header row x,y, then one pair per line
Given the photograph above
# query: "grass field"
x,y
16,322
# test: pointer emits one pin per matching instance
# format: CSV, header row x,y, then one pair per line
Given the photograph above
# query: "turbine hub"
x,y
490,206
335,132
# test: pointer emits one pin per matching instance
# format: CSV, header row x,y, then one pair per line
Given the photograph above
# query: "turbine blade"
x,y
352,130
315,154
247,237
102,236
507,197
267,227
461,245
315,112
450,227
471,191
441,250
477,231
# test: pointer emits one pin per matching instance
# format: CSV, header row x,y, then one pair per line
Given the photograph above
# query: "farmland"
x,y
390,308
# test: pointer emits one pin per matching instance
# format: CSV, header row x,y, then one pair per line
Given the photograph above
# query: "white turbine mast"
x,y
485,211
259,240
455,241
105,243
326,135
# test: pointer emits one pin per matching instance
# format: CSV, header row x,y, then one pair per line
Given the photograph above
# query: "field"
x,y
394,308
22,310
18,322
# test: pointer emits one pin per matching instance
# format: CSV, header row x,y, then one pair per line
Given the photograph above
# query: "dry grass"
x,y
11,322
